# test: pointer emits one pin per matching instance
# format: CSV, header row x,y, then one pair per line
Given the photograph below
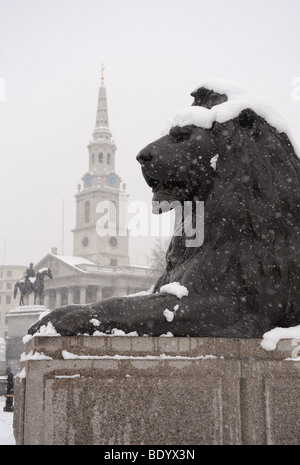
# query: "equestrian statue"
x,y
32,283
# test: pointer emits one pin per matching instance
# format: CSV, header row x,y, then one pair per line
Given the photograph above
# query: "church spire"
x,y
102,113
102,147
102,75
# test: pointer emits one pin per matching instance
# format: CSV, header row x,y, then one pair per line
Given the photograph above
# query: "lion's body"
x,y
245,278
251,250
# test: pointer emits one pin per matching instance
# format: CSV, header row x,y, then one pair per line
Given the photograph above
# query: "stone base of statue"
x,y
153,391
18,321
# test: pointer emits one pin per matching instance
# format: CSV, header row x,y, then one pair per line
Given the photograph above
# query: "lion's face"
x,y
178,166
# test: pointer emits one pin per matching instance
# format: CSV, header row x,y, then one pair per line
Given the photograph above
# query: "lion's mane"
x,y
252,219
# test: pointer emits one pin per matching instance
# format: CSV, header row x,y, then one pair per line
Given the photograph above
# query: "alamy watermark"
x,y
296,89
296,351
135,219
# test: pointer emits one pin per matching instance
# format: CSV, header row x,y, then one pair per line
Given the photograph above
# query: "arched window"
x,y
87,212
108,158
100,157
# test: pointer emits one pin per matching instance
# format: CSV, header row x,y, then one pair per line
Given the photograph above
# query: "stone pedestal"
x,y
19,319
154,391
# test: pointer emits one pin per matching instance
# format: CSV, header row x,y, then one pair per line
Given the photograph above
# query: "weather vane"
x,y
102,75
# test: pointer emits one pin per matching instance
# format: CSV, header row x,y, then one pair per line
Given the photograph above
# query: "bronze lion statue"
x,y
244,279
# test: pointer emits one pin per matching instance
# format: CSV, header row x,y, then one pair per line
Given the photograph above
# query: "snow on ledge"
x,y
271,338
21,374
33,355
114,332
45,330
70,356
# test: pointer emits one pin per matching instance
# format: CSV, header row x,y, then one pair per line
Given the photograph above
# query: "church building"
x,y
100,265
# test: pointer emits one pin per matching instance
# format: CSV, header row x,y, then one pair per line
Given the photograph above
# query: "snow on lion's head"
x,y
232,151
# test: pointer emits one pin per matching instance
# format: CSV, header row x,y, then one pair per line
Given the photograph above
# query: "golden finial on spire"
x,y
102,75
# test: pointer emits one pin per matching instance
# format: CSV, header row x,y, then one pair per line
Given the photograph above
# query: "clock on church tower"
x,y
100,183
112,180
88,181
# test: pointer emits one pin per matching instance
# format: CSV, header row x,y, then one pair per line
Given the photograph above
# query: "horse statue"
x,y
34,285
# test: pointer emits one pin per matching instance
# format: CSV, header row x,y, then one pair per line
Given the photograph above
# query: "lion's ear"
x,y
247,118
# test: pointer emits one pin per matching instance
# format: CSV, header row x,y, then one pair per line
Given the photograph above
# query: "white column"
x,y
99,293
82,295
70,295
47,300
58,298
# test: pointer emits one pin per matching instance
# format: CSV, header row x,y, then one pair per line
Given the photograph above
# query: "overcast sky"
x,y
155,52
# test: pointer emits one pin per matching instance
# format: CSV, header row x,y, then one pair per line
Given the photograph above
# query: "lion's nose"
x,y
143,156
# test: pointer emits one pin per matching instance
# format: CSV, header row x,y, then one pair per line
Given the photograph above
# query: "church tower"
x,y
101,187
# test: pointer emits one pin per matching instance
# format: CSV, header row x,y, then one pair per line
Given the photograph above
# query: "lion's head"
x,y
231,150
178,166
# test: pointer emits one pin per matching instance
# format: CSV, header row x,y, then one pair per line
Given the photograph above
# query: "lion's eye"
x,y
180,134
183,137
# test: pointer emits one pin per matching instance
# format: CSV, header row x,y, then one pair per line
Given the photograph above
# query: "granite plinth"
x,y
19,319
143,390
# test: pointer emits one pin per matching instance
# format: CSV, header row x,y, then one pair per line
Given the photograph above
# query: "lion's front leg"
x,y
151,315
57,316
155,315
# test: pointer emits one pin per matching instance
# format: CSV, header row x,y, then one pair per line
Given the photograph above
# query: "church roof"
x,y
73,261
84,265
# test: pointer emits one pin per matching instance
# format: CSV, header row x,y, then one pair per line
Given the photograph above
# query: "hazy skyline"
x,y
154,53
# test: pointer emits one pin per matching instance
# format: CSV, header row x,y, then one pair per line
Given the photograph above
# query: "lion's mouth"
x,y
152,182
168,190
165,185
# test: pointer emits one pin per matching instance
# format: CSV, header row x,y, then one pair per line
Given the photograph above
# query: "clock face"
x,y
113,242
112,180
88,181
85,241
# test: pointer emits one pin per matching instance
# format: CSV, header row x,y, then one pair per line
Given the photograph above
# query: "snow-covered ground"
x,y
6,428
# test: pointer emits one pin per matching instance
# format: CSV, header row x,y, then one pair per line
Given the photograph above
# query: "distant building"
x,y
9,275
3,377
100,265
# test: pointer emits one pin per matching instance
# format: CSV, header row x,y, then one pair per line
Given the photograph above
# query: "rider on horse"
x,y
29,273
